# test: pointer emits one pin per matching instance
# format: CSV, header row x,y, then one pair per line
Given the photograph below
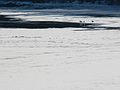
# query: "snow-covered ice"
x,y
60,59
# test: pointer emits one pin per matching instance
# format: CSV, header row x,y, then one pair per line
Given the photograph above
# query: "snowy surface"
x,y
59,59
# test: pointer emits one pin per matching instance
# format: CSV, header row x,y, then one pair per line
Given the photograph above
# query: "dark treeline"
x,y
111,2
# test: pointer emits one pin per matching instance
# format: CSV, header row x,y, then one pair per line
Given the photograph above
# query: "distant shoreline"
x,y
30,5
8,22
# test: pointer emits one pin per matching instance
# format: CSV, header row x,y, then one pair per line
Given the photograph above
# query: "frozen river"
x,y
60,59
